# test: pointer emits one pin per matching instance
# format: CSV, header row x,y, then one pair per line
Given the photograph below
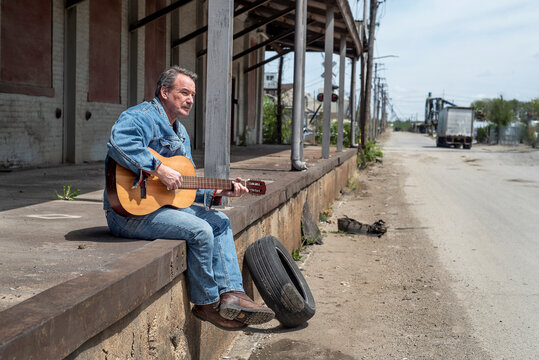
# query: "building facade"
x,y
69,68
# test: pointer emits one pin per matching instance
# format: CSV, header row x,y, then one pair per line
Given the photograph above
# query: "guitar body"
x,y
151,194
128,201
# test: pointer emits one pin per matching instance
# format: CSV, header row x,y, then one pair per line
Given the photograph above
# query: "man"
x,y
214,277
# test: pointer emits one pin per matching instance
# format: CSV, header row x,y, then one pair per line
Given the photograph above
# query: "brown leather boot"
x,y
211,314
236,305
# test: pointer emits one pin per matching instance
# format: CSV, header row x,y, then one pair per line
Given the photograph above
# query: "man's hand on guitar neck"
x,y
239,189
171,178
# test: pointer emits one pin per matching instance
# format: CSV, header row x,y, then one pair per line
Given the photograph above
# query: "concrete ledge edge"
x,y
54,323
261,206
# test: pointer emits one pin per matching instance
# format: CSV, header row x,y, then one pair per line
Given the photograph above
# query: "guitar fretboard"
x,y
193,182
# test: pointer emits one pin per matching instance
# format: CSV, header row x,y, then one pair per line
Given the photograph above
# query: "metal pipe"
x,y
298,112
328,85
340,125
353,104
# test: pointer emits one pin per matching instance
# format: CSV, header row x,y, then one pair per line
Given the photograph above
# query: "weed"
x,y
371,152
296,254
68,195
307,240
325,215
352,185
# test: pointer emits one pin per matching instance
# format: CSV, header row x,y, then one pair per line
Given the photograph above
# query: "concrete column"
x,y
132,79
70,87
353,104
300,40
340,126
328,90
218,89
200,101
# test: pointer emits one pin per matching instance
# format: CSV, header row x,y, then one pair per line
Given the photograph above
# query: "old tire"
x,y
280,282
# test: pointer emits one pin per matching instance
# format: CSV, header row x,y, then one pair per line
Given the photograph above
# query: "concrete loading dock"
x,y
69,286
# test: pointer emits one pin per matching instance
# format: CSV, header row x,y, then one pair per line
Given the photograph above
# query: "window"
x,y
26,48
104,51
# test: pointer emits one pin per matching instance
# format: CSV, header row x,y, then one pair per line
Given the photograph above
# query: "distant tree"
x,y
531,112
480,108
516,106
270,133
269,121
500,112
532,108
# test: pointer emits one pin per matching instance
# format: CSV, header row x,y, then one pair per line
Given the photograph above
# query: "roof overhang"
x,y
344,23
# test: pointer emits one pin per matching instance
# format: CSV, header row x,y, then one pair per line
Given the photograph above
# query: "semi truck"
x,y
455,127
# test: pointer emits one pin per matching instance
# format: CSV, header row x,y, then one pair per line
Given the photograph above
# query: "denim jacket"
x,y
147,125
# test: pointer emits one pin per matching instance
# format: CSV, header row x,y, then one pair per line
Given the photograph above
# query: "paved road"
x,y
480,207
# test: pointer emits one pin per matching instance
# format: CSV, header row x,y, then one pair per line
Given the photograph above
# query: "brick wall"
x,y
93,133
33,128
30,132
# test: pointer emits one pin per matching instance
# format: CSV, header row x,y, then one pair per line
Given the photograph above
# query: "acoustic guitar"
x,y
130,197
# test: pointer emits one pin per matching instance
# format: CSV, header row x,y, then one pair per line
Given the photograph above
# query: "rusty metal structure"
x,y
433,106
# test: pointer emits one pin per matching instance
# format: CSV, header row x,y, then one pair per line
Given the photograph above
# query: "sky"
x,y
456,49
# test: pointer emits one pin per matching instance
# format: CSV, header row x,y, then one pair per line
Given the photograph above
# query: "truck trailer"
x,y
455,127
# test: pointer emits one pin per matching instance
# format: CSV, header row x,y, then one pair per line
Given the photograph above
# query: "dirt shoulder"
x,y
376,298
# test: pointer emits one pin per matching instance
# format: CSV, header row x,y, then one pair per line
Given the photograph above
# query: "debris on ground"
x,y
353,226
309,229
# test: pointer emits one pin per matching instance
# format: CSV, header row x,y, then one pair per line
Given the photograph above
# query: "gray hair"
x,y
168,77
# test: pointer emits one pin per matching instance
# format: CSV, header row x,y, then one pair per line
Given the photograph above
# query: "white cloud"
x,y
460,49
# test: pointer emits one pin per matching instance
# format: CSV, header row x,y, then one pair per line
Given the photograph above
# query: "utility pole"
x,y
372,123
366,100
378,107
384,113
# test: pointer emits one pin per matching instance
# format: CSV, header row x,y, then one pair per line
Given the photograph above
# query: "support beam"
x,y
256,47
203,29
298,111
156,15
279,117
312,15
250,7
353,104
132,65
268,60
264,43
269,20
218,89
190,36
346,14
328,85
340,126
70,3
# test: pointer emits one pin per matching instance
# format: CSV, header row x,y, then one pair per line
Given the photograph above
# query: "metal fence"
x,y
509,135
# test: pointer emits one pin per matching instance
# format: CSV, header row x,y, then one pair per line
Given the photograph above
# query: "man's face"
x,y
178,100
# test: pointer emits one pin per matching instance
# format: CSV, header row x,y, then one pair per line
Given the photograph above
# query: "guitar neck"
x,y
195,182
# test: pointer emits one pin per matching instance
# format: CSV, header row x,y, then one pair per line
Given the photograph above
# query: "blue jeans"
x,y
212,265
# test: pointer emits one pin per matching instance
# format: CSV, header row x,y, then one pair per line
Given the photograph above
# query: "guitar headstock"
x,y
256,187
